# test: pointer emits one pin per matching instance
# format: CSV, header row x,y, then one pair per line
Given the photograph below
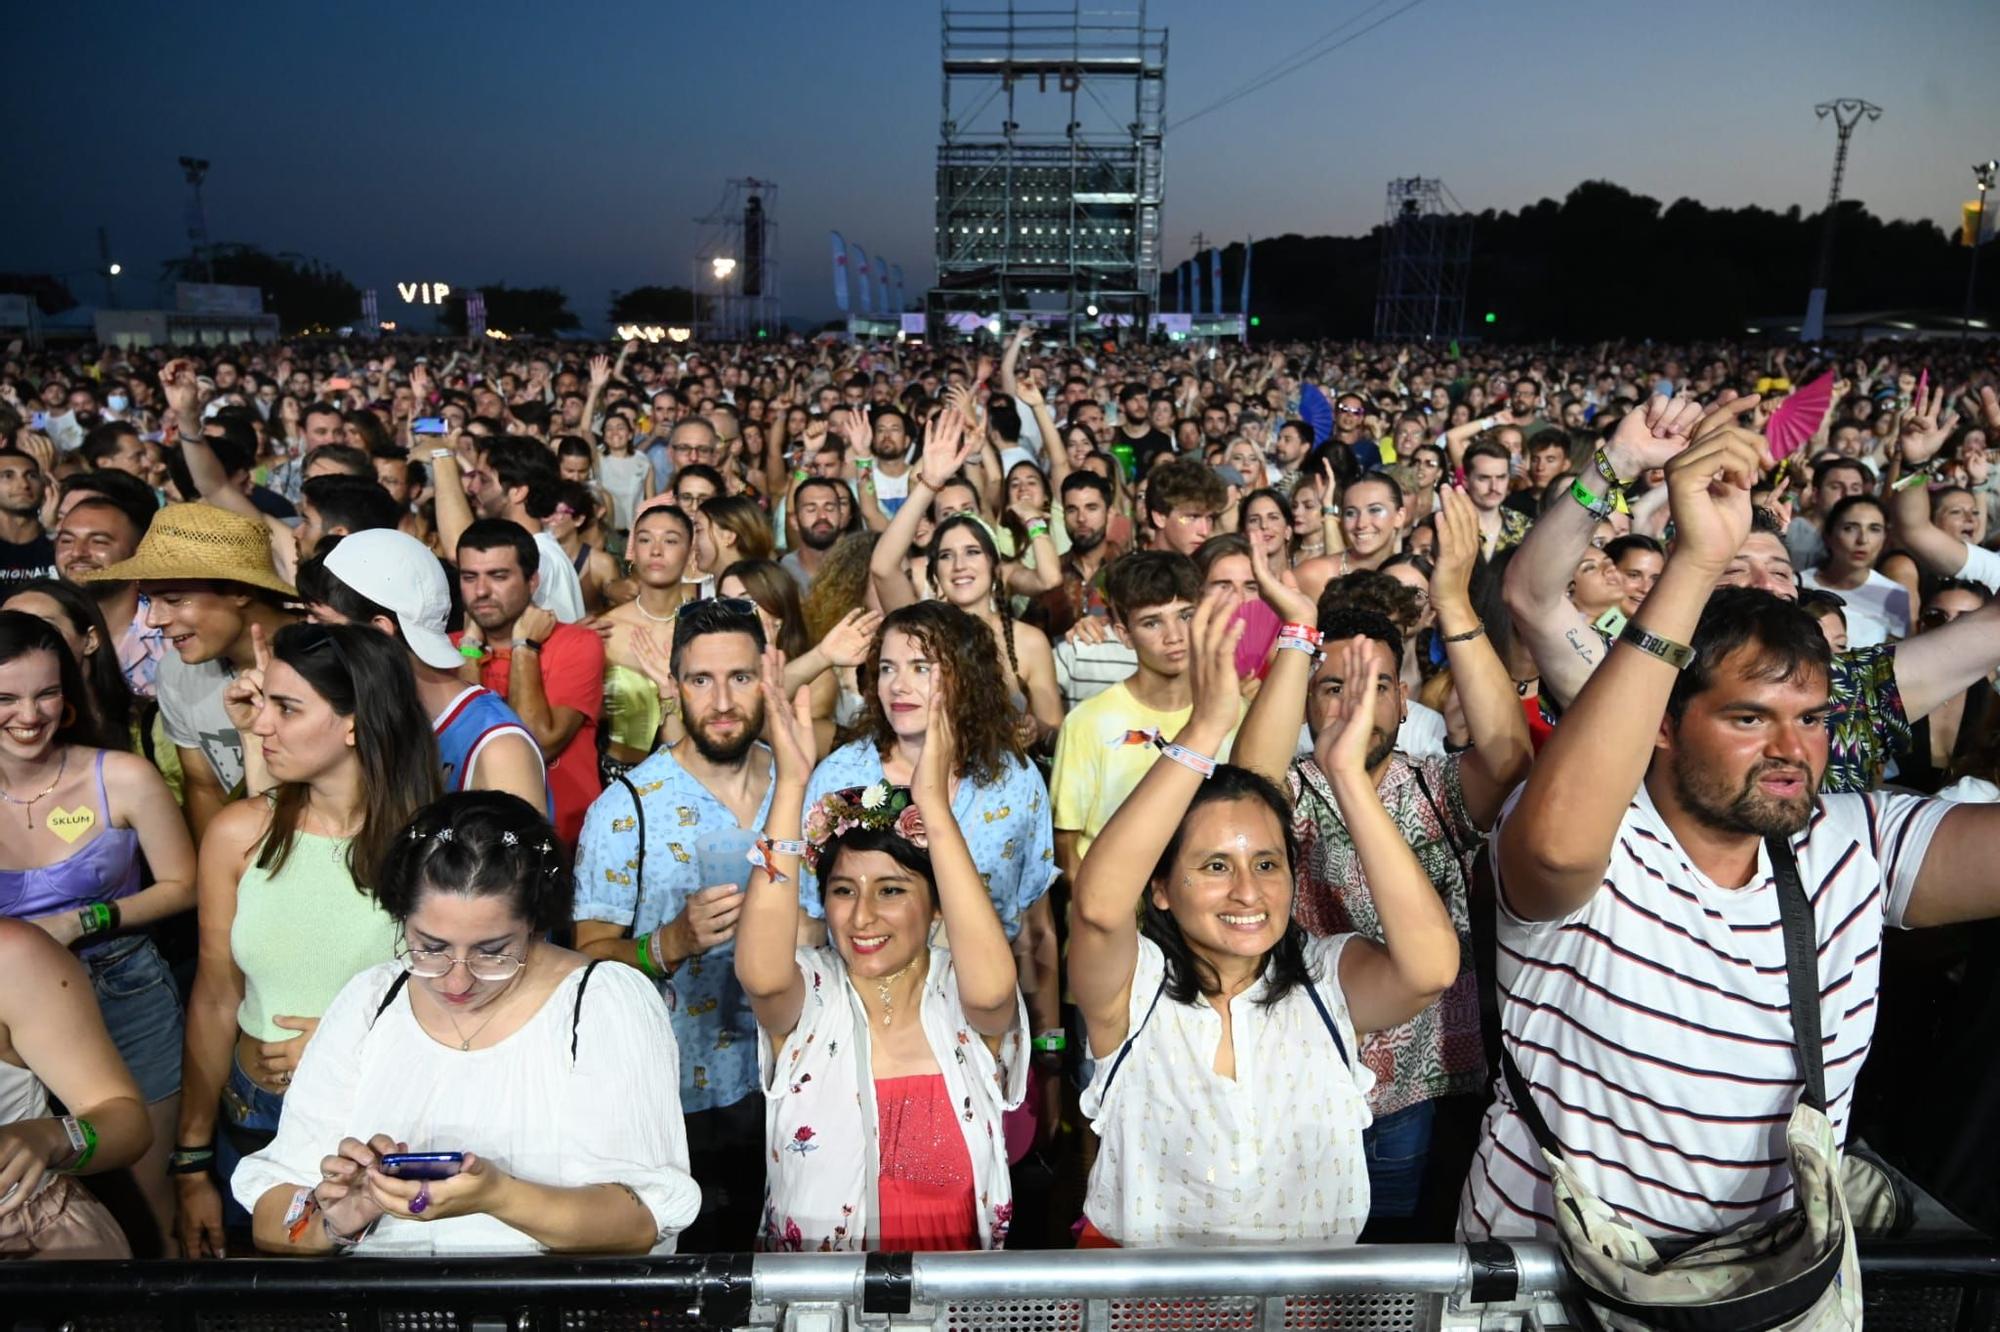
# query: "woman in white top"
x,y
1878,607
554,1079
882,1134
1227,1097
52,1038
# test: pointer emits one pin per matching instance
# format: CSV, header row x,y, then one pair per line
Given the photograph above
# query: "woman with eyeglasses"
x,y
287,898
543,1088
1954,730
576,514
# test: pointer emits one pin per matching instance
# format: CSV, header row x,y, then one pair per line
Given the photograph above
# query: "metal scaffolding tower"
x,y
1050,170
1426,257
736,265
1847,112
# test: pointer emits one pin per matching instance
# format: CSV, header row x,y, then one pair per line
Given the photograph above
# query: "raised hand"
x,y
1026,390
1708,488
1290,603
788,723
1212,660
1646,437
1923,431
600,372
946,447
178,386
930,783
860,434
847,643
1457,548
243,699
962,403
1989,407
1343,743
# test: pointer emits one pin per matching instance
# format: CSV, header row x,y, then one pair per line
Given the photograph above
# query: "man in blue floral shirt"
x,y
641,899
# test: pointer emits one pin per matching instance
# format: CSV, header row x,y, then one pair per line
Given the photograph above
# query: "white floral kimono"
x,y
821,1124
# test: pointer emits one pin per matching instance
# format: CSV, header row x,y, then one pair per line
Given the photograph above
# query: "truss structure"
x,y
1426,259
736,264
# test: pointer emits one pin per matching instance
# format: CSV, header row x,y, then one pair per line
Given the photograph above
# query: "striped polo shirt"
x,y
1653,1025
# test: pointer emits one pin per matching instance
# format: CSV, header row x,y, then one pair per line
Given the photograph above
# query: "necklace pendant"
x,y
465,1044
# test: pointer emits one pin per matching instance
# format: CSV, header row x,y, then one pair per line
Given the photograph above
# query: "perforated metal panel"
x,y
1364,1313
1014,1316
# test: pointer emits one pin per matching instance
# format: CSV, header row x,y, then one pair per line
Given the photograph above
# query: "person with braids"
x,y
550,1082
1227,1095
965,567
286,890
887,1061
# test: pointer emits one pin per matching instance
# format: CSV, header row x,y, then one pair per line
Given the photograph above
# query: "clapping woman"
x,y
1227,1095
887,1063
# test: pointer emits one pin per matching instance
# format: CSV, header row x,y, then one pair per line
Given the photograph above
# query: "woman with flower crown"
x,y
887,1063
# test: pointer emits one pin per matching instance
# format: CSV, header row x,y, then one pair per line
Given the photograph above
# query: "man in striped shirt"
x,y
1640,968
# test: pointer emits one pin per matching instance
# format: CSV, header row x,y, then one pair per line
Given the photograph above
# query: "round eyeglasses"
x,y
437,963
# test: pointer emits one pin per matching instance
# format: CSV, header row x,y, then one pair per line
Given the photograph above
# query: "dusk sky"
x,y
574,144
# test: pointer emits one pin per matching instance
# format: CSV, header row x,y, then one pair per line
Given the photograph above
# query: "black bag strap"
x,y
576,1014
638,874
1340,1046
1483,907
395,988
1795,916
1131,1040
1450,837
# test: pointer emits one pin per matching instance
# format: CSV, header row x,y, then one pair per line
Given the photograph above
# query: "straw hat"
x,y
199,543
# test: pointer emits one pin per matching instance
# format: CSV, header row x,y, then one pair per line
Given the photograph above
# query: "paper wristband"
x,y
1186,757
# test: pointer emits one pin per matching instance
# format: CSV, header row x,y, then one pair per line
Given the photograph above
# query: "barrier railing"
x,y
1400,1288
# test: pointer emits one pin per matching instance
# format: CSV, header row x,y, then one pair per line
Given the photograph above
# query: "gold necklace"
x,y
28,805
882,985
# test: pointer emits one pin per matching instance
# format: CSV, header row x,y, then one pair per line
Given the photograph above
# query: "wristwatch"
x,y
532,644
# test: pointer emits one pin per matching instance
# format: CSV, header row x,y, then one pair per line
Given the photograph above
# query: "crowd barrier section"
x,y
1400,1288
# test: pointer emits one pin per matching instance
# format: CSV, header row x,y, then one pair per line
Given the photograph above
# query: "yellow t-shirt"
x,y
1096,767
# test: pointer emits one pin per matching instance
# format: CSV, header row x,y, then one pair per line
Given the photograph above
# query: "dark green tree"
x,y
303,293
656,305
52,295
539,311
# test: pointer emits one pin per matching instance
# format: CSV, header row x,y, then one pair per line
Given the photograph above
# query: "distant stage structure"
x,y
1426,263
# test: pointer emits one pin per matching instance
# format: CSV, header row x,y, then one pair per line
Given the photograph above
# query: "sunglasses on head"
x,y
708,605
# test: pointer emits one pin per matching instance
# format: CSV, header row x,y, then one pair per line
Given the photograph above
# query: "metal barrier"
x,y
1401,1288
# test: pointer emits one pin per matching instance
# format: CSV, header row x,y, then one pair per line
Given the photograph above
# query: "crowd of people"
x,y
808,796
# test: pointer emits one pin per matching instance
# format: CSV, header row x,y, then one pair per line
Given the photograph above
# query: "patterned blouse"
x,y
1438,1052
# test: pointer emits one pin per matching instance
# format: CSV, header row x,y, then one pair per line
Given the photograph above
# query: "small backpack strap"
x,y
576,1014
1312,993
639,873
395,988
1132,1040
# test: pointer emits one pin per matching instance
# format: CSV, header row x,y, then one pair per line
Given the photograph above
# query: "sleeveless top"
x,y
475,717
302,933
925,1189
631,708
103,869
581,558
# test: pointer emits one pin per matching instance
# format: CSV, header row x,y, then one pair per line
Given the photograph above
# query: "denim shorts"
x,y
142,1011
249,1119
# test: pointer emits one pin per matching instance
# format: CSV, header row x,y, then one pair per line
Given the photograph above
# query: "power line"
x,y
1299,62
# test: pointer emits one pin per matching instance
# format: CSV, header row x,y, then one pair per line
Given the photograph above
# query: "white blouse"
x,y
609,1115
1189,1157
821,1127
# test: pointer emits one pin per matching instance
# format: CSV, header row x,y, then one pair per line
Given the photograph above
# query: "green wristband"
x,y
83,1143
646,962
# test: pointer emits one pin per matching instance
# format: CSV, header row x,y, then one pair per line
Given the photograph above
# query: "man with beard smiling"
x,y
1429,1074
819,512
1641,957
640,901
1086,507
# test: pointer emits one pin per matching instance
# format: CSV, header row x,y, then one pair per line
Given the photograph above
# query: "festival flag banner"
x,y
839,271
882,285
896,276
866,305
1245,305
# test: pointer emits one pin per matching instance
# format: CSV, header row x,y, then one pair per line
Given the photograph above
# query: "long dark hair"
x,y
974,525
104,684
1189,976
772,587
22,633
364,674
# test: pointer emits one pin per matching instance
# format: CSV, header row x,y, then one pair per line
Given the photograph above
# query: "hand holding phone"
x,y
428,425
421,1165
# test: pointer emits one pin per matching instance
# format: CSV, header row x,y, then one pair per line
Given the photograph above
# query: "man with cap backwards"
x,y
391,580
213,592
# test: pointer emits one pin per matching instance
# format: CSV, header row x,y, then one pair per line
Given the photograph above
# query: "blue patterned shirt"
x,y
1007,827
711,1015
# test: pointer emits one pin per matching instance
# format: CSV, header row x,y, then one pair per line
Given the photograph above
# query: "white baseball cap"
x,y
400,574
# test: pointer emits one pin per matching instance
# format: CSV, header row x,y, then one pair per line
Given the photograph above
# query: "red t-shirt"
x,y
572,677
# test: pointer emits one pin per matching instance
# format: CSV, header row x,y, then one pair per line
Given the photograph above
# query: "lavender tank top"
x,y
104,869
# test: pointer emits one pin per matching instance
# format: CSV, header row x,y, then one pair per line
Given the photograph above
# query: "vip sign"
x,y
423,293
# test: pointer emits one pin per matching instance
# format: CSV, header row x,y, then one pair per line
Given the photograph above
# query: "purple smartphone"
x,y
1260,631
422,1165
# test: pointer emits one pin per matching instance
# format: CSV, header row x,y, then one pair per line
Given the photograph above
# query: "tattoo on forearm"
x,y
1578,646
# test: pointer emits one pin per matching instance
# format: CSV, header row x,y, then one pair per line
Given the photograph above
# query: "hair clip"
x,y
508,839
442,834
546,847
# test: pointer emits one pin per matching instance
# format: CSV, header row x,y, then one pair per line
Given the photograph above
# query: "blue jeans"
x,y
135,993
1397,1146
249,1110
